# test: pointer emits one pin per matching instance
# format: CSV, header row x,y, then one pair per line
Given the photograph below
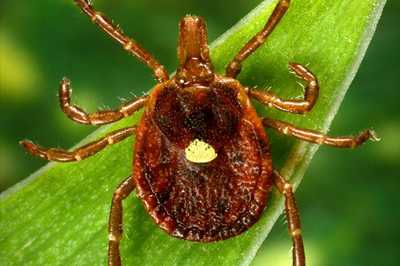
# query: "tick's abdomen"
x,y
202,201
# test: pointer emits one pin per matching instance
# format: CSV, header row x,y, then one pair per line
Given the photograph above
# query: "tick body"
x,y
205,201
202,164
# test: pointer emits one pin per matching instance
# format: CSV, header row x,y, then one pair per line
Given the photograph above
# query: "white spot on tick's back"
x,y
199,151
112,237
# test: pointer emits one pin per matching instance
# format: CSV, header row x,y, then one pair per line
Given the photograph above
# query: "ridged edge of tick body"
x,y
259,195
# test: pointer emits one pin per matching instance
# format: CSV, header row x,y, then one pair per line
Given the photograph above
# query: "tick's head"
x,y
194,60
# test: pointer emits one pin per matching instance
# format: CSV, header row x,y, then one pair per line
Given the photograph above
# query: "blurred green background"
x,y
348,199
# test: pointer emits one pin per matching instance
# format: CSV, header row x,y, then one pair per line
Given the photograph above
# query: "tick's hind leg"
x,y
115,221
98,118
298,106
130,45
88,150
293,217
235,65
319,138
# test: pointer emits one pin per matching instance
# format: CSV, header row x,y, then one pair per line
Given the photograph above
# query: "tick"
x,y
202,163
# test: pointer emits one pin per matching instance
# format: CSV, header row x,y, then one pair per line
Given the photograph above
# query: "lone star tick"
x,y
202,164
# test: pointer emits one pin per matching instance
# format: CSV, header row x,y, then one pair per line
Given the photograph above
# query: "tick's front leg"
x,y
293,217
115,221
97,118
81,153
129,45
235,65
319,138
298,106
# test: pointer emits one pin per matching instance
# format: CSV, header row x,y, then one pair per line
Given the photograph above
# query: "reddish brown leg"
x,y
98,118
130,45
234,67
115,221
88,150
316,137
293,217
298,106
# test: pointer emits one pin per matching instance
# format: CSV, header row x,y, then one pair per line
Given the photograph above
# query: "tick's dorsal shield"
x,y
193,54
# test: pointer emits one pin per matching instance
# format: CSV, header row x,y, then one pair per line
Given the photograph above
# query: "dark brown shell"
x,y
208,201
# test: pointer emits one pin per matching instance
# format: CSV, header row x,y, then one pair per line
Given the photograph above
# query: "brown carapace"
x,y
202,164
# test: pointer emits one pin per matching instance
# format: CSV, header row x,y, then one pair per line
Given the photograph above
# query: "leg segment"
x,y
98,118
316,137
234,67
115,221
292,215
298,106
83,152
130,45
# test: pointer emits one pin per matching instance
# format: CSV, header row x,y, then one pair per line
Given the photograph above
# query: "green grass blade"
x,y
58,216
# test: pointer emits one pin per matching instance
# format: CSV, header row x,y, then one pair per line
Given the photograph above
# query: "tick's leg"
x,y
234,67
130,45
319,138
83,152
98,118
115,221
298,106
293,217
